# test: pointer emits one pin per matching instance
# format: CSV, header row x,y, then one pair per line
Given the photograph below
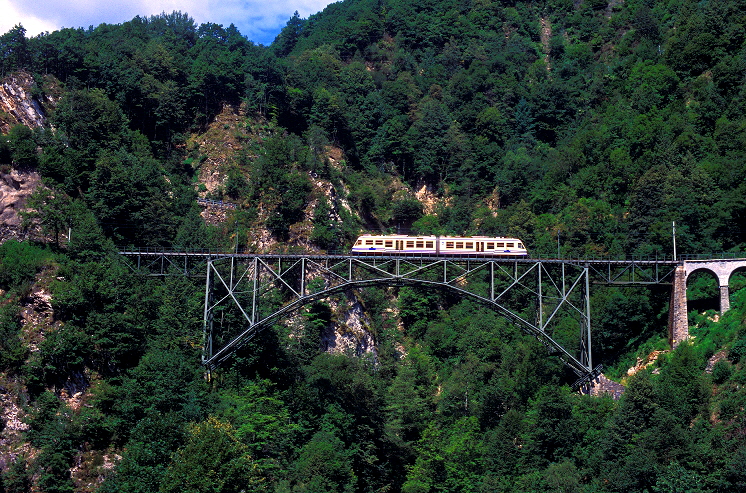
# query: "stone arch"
x,y
737,270
705,302
723,270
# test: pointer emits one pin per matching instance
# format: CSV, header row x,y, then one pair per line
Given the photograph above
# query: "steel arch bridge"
x,y
245,293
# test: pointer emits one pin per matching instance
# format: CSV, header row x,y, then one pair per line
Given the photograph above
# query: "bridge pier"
x,y
678,322
724,298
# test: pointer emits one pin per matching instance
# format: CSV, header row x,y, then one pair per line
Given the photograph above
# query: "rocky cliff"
x,y
20,105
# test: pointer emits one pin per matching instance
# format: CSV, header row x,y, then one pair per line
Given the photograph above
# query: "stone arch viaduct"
x,y
722,270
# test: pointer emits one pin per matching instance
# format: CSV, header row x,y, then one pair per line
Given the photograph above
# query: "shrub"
x,y
19,262
721,371
738,351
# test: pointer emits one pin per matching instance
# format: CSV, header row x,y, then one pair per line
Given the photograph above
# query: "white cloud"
x,y
10,17
259,20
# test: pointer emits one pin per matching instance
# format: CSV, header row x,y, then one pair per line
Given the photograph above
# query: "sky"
x,y
258,20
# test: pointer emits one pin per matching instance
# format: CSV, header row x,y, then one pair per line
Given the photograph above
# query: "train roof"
x,y
432,237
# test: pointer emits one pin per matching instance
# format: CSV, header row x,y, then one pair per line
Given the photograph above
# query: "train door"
x,y
399,245
480,246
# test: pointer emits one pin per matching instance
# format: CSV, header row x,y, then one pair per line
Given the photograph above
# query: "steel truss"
x,y
632,272
156,262
245,294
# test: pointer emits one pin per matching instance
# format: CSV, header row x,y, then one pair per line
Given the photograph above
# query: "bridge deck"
x,y
501,258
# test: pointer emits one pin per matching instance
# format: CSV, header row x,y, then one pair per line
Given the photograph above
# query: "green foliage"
x,y
406,211
449,458
146,458
326,232
54,430
15,478
22,146
415,307
13,351
20,262
194,233
721,372
130,199
737,352
681,384
88,242
212,459
236,185
323,465
262,421
589,124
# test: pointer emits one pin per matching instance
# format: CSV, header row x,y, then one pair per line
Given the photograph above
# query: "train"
x,y
489,246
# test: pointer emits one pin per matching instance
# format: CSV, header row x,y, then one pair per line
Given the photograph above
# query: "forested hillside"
x,y
586,126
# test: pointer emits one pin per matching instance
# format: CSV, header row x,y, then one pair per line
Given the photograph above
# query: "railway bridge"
x,y
245,293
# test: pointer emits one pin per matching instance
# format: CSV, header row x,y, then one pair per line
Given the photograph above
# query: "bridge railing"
x,y
713,256
345,252
170,250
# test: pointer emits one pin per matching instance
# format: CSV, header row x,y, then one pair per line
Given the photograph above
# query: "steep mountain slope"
x,y
589,124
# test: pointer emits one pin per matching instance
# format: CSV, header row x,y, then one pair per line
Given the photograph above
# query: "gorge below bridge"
x,y
245,293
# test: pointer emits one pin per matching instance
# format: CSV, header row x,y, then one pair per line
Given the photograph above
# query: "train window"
x,y
379,242
459,244
469,244
520,245
500,245
449,244
510,245
490,245
389,244
368,242
428,244
420,244
359,242
410,244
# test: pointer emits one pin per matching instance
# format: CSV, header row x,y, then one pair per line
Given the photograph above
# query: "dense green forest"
x,y
587,124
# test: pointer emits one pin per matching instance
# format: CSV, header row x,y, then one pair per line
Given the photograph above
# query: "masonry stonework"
x,y
678,324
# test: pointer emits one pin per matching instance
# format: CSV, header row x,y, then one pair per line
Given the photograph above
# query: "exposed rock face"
x,y
18,105
15,189
350,335
217,147
37,316
720,355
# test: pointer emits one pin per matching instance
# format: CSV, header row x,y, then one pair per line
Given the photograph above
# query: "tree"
x,y
552,429
681,387
448,459
91,123
289,36
147,455
212,460
130,199
324,466
15,478
22,146
49,209
14,50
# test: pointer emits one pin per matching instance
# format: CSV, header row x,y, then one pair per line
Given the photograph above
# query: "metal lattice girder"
x,y
249,293
245,293
633,272
160,263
